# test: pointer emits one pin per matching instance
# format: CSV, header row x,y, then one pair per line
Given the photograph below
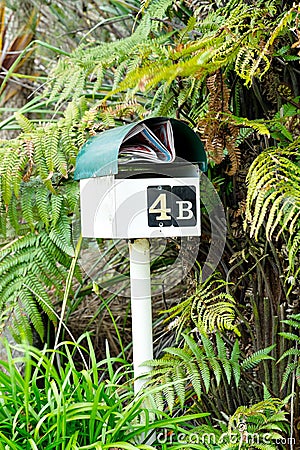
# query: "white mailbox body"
x,y
144,207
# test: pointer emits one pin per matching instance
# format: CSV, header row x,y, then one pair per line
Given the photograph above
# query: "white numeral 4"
x,y
161,201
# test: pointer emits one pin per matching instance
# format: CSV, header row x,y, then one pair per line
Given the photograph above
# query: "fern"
x,y
197,365
158,9
25,124
251,361
222,356
147,59
38,200
33,268
259,126
157,69
208,308
293,353
253,423
29,270
236,367
273,199
42,199
258,68
60,234
13,160
27,207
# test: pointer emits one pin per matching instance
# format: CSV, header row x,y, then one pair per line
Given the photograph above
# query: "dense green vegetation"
x,y
230,70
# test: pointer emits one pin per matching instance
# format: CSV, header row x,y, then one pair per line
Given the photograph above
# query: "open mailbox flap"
x,y
155,140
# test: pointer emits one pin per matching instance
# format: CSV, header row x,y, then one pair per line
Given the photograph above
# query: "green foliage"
x,y
197,366
273,197
33,266
293,353
70,76
46,154
204,64
209,307
261,425
36,207
240,49
30,268
236,37
60,406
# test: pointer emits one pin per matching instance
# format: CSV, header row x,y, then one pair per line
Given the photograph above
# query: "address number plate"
x,y
171,206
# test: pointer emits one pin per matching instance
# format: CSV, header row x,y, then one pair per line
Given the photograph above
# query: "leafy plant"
x,y
222,69
273,197
293,353
55,405
260,426
183,71
36,207
209,307
198,366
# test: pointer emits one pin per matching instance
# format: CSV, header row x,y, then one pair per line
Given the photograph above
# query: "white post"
x,y
139,251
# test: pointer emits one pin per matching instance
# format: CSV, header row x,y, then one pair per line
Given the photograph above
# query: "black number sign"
x,y
171,206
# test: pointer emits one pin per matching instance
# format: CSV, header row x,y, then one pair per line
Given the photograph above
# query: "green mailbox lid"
x,y
98,157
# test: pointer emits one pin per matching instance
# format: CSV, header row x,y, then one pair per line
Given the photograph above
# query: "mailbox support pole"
x,y
139,252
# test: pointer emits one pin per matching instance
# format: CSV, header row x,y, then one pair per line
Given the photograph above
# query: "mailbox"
x,y
141,180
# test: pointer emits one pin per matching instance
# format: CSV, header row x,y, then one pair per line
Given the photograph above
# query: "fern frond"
x,y
39,140
194,375
12,161
273,196
61,236
208,308
51,147
28,304
223,358
181,353
289,336
290,352
26,125
159,400
56,208
253,360
180,384
208,347
235,364
198,363
42,202
293,320
21,330
72,193
98,76
200,358
258,68
30,268
27,207
168,391
205,372
158,8
290,368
